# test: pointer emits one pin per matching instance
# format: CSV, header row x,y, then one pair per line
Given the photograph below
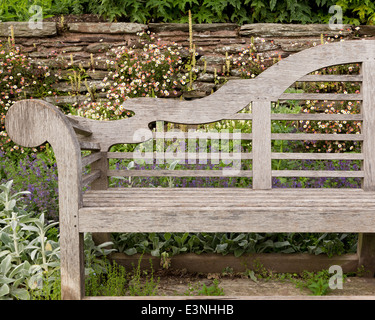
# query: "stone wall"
x,y
55,44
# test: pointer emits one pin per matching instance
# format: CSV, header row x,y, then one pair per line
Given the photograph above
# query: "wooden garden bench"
x,y
260,208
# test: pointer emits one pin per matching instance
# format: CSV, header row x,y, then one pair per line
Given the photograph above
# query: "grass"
x,y
117,281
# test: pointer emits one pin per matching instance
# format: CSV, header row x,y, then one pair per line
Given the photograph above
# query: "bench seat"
x,y
227,209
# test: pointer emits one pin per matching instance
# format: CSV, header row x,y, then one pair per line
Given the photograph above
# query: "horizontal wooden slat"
x,y
202,135
241,116
331,77
224,201
81,130
224,219
248,192
320,96
89,145
316,116
317,136
317,173
318,156
179,173
90,177
180,155
90,158
238,193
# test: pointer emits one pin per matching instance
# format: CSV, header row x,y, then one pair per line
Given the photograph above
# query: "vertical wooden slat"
x,y
366,241
101,184
261,126
368,126
102,165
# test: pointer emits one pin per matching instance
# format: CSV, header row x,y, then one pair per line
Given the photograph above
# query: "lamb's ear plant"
x,y
25,255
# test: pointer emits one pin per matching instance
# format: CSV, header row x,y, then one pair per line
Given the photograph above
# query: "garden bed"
x,y
216,263
228,284
241,286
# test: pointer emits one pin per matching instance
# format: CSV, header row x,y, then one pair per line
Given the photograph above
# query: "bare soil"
x,y
180,283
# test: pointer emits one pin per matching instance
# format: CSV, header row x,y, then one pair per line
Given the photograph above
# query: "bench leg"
x,y
72,266
366,253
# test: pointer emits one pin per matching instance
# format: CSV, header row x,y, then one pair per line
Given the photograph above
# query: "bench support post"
x,y
261,128
366,253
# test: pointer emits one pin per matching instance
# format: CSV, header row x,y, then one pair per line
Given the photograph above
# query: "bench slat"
x,y
223,219
178,173
202,135
207,192
368,110
78,128
317,173
331,77
317,136
321,96
91,158
303,116
89,178
180,155
317,156
316,116
89,145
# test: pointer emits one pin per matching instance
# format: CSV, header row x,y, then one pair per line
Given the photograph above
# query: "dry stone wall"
x,y
61,46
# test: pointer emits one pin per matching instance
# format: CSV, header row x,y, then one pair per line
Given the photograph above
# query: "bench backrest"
x,y
269,87
226,103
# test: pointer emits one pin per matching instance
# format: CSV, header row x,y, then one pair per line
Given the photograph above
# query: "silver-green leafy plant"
x,y
26,255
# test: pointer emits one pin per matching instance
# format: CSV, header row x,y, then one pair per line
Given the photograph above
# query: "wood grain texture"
x,y
321,96
258,209
368,111
317,136
231,98
262,178
223,219
31,123
331,78
177,173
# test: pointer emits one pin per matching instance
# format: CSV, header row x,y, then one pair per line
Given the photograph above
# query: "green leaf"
x,y
220,248
21,294
4,290
5,265
155,253
130,251
272,4
167,236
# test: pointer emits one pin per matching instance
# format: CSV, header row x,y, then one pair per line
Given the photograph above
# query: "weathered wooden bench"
x,y
260,208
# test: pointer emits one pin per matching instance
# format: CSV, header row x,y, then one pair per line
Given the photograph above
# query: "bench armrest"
x,y
30,123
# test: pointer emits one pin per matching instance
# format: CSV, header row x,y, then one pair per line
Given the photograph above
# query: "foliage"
x,y
19,79
203,11
212,290
358,11
234,243
117,281
26,256
36,173
316,282
152,71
